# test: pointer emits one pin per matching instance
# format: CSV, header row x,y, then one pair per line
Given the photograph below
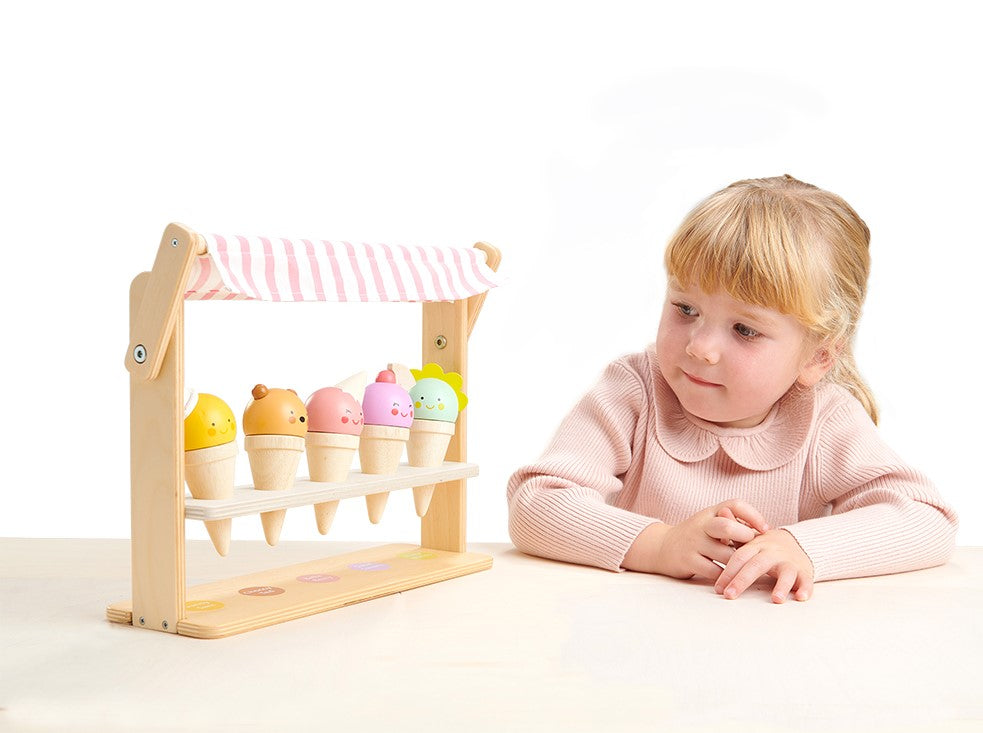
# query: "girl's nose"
x,y
703,346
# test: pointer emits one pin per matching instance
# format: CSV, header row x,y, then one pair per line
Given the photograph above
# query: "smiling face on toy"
x,y
275,412
434,399
438,395
209,423
332,410
386,403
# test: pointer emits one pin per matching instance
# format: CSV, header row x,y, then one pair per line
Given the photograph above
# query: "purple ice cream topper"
x,y
386,403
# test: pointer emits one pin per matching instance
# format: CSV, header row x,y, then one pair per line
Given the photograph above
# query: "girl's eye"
x,y
684,309
746,332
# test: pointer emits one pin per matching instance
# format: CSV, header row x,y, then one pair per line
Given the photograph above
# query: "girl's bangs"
x,y
750,258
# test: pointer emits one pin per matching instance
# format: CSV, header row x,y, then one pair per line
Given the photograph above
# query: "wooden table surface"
x,y
528,645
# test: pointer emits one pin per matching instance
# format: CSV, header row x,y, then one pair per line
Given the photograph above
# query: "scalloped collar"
x,y
772,443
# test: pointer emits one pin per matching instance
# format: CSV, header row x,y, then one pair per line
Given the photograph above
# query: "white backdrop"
x,y
572,136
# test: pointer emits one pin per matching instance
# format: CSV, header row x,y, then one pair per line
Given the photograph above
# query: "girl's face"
x,y
729,362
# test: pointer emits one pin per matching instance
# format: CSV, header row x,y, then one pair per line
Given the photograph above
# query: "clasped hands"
x,y
735,535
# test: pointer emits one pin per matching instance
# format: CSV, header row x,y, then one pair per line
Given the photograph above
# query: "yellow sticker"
x,y
197,606
418,555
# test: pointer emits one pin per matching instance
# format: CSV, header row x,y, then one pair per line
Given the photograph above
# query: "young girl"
x,y
742,443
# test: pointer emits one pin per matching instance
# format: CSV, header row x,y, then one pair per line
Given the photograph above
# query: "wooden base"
x,y
235,605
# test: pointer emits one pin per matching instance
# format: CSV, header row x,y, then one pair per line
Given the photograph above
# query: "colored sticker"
x,y
262,590
419,555
318,578
200,606
369,566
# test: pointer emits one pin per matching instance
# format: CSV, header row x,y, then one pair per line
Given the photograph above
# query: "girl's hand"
x,y
691,547
774,553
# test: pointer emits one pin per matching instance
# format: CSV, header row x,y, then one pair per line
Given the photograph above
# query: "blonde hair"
x,y
783,244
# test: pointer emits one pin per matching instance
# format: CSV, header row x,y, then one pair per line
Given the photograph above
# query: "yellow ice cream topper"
x,y
437,395
208,421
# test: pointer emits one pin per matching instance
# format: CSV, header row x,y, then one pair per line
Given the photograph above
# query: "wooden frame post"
x,y
445,342
157,483
155,360
446,329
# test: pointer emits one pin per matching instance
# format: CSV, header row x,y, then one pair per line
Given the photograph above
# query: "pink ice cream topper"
x,y
332,410
386,403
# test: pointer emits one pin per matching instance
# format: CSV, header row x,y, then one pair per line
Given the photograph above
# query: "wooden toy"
x,y
437,400
333,430
451,284
210,458
388,416
275,424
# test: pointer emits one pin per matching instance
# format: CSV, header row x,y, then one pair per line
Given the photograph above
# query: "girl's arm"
x,y
885,517
560,506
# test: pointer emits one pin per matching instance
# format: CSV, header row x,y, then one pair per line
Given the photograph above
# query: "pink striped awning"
x,y
268,268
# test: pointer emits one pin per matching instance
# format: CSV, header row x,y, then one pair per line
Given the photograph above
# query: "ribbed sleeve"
x,y
558,507
885,516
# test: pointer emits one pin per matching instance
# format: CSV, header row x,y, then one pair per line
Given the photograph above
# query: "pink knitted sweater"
x,y
629,455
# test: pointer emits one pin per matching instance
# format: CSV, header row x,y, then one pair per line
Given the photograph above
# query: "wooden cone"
x,y
421,498
329,458
381,447
210,473
330,455
379,450
376,504
324,514
220,532
272,524
273,460
427,447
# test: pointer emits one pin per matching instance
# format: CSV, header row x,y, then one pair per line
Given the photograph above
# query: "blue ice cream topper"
x,y
436,395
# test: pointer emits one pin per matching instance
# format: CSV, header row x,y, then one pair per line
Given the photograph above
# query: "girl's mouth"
x,y
701,382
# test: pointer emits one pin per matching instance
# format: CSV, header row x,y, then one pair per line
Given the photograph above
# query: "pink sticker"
x,y
369,566
318,578
262,590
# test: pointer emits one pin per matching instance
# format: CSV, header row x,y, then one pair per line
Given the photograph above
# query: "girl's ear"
x,y
816,368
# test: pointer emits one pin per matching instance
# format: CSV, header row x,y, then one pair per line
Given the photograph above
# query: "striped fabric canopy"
x,y
267,268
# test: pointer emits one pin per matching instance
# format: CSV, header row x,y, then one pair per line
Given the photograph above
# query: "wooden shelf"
x,y
247,500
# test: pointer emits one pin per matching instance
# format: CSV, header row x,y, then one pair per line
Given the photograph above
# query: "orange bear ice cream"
x,y
274,412
275,424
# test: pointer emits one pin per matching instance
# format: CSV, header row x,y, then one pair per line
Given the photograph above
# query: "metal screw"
x,y
164,624
140,353
440,342
142,622
174,242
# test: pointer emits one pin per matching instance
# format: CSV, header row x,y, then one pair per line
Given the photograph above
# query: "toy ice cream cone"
x,y
334,423
210,473
437,401
427,447
275,423
324,515
388,416
210,458
273,460
379,451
